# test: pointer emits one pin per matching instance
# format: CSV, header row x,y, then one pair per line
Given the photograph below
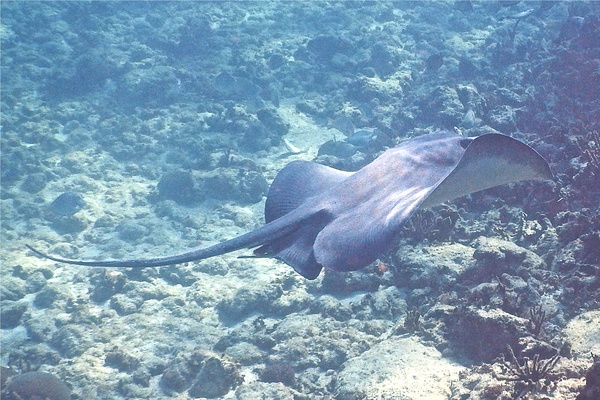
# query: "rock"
x,y
503,119
34,182
444,107
251,331
278,371
11,314
177,275
209,374
292,300
175,377
35,282
385,304
591,390
152,86
314,107
216,378
248,300
40,329
467,68
231,87
107,283
583,332
252,186
266,390
121,360
12,288
130,231
66,224
347,282
124,305
497,256
483,335
324,47
312,341
70,340
245,353
45,297
332,307
246,186
67,203
36,385
434,62
432,265
178,186
382,59
272,121
400,368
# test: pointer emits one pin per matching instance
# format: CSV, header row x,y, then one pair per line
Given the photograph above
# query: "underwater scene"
x,y
297,190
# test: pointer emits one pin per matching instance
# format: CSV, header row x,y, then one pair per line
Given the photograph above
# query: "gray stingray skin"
x,y
319,217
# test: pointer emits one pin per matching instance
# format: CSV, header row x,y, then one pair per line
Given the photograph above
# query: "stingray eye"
x,y
464,143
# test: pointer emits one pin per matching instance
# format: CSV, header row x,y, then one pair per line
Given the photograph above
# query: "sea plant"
x,y
537,317
529,374
412,322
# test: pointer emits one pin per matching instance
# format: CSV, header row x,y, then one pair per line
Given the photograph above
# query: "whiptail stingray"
x,y
319,217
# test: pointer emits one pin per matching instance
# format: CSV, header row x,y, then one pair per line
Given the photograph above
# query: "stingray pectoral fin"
x,y
296,248
357,238
266,234
347,246
295,183
490,160
361,234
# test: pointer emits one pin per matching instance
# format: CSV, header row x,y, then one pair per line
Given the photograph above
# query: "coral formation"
x,y
35,385
591,390
178,186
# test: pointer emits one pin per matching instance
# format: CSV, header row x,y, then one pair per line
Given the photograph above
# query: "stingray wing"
x,y
294,191
379,198
296,183
425,172
490,160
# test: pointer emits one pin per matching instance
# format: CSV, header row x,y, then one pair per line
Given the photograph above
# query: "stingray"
x,y
320,217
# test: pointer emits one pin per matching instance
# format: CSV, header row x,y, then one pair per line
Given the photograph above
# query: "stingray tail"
x,y
262,236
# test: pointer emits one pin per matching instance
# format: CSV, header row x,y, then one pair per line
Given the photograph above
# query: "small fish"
x,y
519,16
337,149
291,148
362,138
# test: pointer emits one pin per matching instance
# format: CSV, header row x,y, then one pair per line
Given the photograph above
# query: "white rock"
x,y
583,332
397,368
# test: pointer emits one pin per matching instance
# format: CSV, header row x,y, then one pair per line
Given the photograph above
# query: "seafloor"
x,y
166,121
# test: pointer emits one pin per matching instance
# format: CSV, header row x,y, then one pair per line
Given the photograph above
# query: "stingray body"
x,y
319,217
